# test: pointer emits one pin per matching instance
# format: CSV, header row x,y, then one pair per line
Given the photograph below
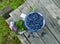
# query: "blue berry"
x,y
34,21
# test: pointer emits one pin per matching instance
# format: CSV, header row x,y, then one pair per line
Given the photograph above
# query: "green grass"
x,y
13,3
6,33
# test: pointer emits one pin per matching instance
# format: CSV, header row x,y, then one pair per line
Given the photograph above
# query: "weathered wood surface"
x,y
15,15
50,10
36,40
52,24
57,2
23,39
52,7
5,12
48,37
9,19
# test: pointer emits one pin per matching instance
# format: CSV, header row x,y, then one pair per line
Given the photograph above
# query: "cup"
x,y
24,17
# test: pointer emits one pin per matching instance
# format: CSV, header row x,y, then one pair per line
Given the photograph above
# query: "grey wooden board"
x,y
57,2
48,37
15,14
51,7
23,39
1,13
59,22
44,11
5,12
53,26
35,40
54,31
26,8
30,3
9,19
56,28
7,9
20,7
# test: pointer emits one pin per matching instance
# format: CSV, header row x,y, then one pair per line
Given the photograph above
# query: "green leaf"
x,y
20,24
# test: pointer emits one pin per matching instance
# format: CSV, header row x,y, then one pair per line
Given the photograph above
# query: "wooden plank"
x,y
55,29
36,40
53,21
51,7
26,8
57,2
5,12
59,22
15,14
1,13
30,3
21,7
26,34
23,39
42,9
49,24
48,37
9,19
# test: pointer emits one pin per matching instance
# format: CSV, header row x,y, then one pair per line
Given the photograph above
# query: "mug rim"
x,y
41,26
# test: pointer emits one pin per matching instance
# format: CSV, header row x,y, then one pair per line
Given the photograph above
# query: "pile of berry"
x,y
34,21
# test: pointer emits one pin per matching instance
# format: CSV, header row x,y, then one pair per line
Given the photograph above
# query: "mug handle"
x,y
23,16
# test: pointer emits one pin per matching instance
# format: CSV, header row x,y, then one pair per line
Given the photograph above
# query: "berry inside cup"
x,y
34,21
